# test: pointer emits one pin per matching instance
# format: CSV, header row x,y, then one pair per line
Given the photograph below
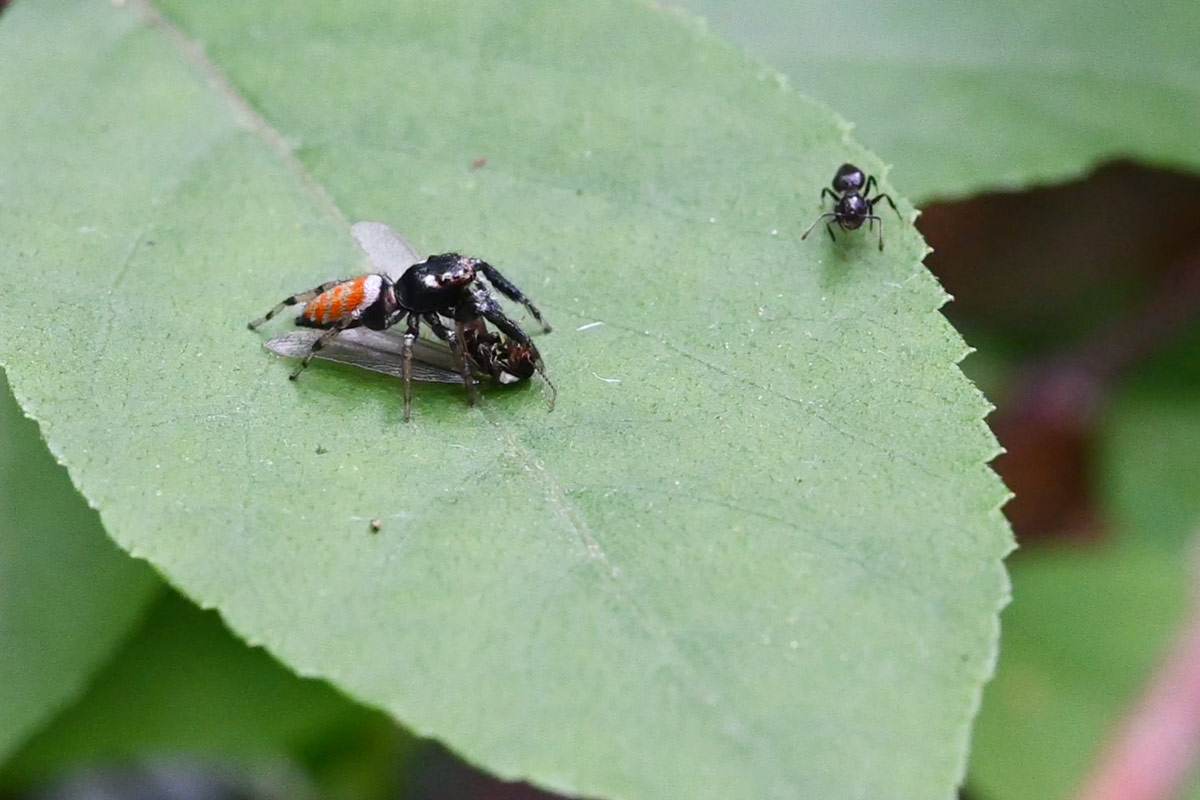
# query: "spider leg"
x,y
510,290
826,215
490,310
410,336
302,297
464,366
439,328
325,338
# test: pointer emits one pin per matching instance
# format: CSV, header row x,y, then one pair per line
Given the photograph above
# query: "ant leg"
x,y
302,297
410,336
826,215
870,185
880,221
491,311
541,368
324,339
829,230
879,197
827,191
509,290
464,366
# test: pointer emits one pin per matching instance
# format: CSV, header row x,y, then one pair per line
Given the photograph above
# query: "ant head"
x,y
848,178
517,361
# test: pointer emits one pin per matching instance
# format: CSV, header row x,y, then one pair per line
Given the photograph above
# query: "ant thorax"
x,y
852,210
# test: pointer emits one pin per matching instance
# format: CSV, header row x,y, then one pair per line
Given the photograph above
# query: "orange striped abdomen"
x,y
336,304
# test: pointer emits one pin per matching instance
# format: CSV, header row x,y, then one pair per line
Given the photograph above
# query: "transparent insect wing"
x,y
378,351
388,251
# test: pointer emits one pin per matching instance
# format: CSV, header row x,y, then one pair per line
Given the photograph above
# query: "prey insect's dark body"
x,y
503,359
489,354
852,203
442,288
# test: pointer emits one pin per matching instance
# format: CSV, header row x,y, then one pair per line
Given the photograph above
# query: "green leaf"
x,y
67,595
1089,626
764,563
185,687
971,96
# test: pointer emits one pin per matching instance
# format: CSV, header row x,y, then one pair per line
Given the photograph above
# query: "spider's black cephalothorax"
x,y
852,204
446,288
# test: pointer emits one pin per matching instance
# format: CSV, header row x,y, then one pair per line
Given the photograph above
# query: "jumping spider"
x,y
441,291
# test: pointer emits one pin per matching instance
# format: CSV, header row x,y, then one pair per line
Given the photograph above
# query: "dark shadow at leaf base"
x,y
1082,282
179,781
437,774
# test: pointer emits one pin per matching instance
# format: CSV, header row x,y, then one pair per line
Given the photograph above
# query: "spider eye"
x,y
457,275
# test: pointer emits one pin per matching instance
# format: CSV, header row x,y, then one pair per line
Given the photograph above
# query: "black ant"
x,y
446,286
853,207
